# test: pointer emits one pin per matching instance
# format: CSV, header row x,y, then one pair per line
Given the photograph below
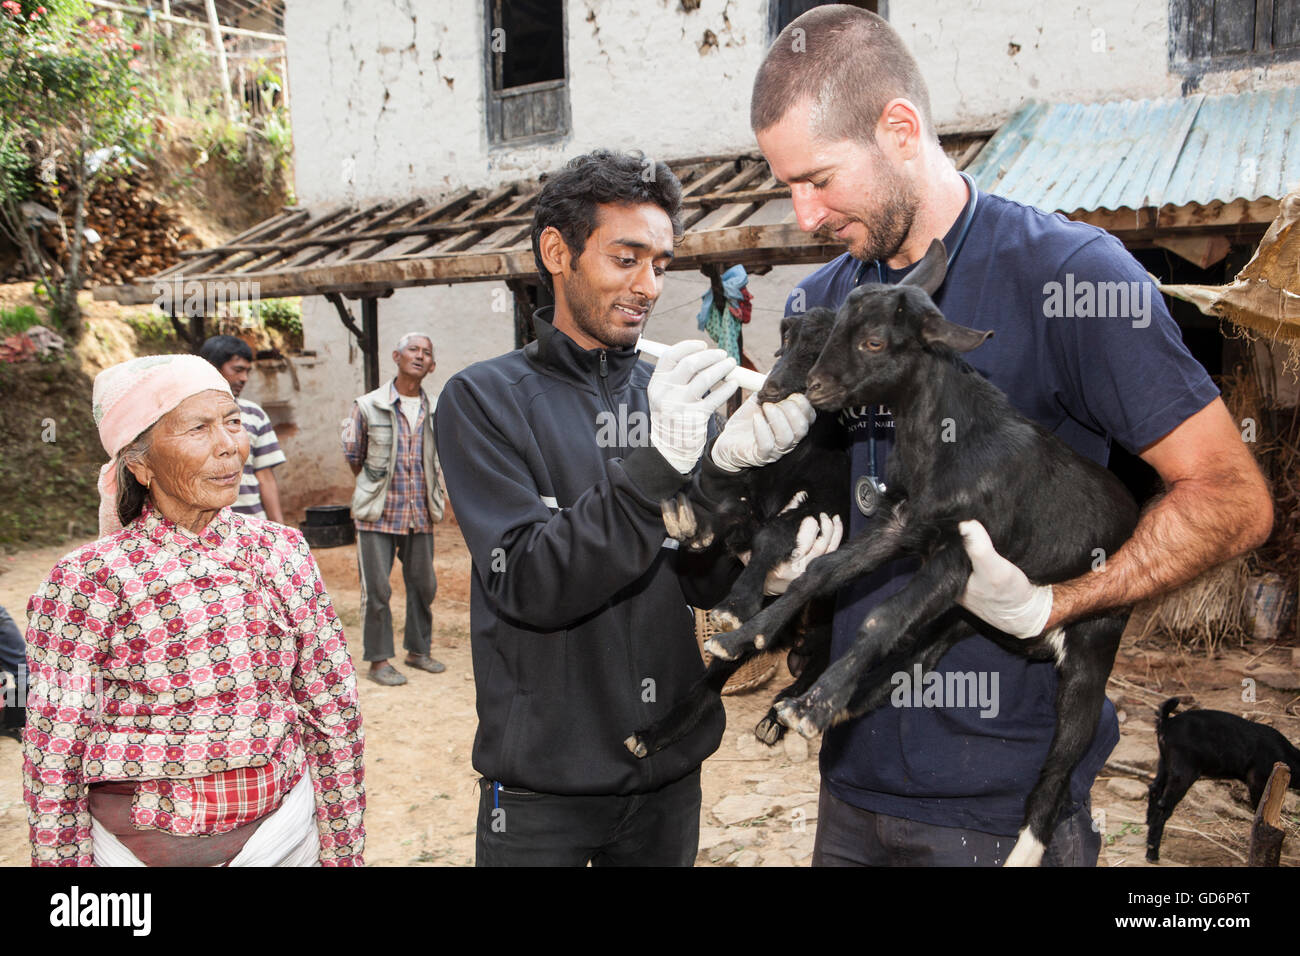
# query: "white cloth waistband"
x,y
287,837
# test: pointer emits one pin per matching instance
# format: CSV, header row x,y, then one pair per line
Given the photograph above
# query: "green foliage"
x,y
72,85
283,315
16,320
224,139
74,100
15,165
152,329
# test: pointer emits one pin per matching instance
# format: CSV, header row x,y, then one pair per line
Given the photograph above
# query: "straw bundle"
x,y
1207,612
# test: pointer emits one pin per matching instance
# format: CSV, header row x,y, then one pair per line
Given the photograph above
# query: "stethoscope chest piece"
x,y
868,493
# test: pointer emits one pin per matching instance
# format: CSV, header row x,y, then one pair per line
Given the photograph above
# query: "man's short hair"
x,y
849,63
220,349
569,199
402,342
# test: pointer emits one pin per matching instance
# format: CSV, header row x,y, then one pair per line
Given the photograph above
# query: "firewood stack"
x,y
138,234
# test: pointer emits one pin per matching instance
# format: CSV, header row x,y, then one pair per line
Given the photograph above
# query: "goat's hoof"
x,y
727,647
770,730
635,745
701,541
724,621
1153,856
718,649
800,717
809,728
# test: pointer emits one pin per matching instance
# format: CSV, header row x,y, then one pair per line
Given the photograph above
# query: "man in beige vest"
x,y
389,445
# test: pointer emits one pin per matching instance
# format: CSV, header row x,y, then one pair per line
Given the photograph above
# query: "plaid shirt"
x,y
211,667
405,506
217,803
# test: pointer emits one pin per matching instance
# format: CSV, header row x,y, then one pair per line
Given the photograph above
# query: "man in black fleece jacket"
x,y
556,458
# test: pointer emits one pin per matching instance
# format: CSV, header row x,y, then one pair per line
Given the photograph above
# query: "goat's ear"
x,y
930,271
936,329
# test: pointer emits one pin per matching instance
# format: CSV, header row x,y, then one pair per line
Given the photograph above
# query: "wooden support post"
x,y
215,25
370,343
528,298
369,356
1266,833
195,335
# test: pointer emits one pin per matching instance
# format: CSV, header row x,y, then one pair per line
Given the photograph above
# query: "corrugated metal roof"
x,y
1139,153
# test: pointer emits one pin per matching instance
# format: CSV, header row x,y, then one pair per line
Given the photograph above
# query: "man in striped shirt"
x,y
259,495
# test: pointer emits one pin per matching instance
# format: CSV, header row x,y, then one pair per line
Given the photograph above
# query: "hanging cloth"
x,y
723,320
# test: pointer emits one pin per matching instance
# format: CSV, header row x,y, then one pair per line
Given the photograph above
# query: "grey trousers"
x,y
850,836
375,550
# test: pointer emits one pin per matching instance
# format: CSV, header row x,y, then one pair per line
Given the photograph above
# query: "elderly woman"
x,y
191,697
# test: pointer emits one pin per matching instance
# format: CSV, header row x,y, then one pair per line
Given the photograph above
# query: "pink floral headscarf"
x,y
130,397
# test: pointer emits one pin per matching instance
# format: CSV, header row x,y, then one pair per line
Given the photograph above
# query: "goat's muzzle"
x,y
821,393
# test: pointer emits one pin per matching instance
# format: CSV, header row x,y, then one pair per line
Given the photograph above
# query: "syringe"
x,y
747,378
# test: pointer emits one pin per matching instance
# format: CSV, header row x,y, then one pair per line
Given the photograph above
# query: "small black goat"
x,y
1046,509
1210,743
759,510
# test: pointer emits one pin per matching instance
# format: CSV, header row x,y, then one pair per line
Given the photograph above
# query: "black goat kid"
x,y
759,510
1046,509
1215,744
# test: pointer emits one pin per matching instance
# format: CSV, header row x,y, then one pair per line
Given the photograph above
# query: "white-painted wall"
x,y
388,94
984,59
388,103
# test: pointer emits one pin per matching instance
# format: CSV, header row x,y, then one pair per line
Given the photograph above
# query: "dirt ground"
x,y
760,804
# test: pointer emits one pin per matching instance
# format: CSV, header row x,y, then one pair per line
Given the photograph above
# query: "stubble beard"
x,y
591,316
887,227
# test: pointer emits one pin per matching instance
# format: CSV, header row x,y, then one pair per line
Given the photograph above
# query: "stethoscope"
x,y
869,490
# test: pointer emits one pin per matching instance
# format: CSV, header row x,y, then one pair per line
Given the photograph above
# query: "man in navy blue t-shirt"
x,y
1084,345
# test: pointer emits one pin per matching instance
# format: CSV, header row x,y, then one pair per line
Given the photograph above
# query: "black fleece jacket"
x,y
580,610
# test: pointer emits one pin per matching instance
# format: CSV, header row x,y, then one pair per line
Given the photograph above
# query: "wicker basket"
x,y
754,673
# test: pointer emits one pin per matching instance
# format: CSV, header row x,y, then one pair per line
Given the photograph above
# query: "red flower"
x,y
136,47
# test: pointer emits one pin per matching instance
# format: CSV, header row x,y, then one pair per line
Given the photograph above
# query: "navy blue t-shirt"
x,y
1089,362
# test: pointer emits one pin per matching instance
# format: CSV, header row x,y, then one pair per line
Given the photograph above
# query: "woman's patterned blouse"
x,y
158,654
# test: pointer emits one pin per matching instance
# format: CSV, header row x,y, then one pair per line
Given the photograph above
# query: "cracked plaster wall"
x,y
388,96
983,59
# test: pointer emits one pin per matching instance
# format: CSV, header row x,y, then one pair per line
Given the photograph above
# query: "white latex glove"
x,y
816,536
998,592
679,405
759,435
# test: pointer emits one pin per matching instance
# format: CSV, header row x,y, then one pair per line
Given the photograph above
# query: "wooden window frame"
x,y
493,98
1180,43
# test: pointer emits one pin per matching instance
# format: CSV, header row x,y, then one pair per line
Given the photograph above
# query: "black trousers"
x,y
523,828
850,836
